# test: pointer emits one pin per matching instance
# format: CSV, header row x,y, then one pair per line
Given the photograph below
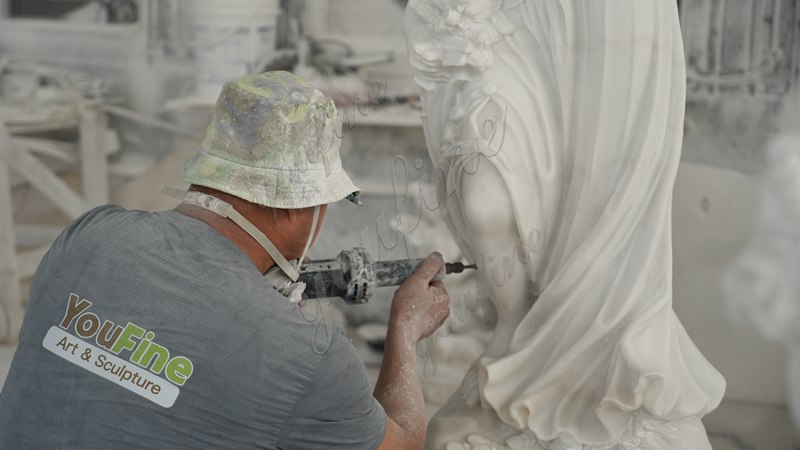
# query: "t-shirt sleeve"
x,y
336,409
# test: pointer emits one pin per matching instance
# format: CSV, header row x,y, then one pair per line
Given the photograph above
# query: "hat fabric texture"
x,y
274,141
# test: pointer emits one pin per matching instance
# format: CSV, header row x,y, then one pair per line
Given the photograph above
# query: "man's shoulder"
x,y
142,234
104,213
97,221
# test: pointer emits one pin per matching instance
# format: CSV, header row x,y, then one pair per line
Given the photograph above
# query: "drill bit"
x,y
457,267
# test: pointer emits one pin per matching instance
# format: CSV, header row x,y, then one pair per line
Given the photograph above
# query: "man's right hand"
x,y
421,305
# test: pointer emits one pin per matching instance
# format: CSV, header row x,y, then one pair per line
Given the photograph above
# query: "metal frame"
x,y
19,155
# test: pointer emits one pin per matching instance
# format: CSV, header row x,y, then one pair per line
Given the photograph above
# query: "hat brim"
x,y
275,188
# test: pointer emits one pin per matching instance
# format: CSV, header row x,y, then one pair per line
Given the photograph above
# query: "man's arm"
x,y
419,307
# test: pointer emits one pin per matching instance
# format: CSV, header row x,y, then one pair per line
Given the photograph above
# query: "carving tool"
x,y
353,275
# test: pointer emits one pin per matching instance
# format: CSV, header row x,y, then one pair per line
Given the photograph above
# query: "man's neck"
x,y
232,232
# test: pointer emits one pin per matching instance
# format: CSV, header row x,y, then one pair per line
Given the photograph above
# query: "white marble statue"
x,y
762,284
556,126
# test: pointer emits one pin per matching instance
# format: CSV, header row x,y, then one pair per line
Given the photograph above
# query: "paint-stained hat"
x,y
273,140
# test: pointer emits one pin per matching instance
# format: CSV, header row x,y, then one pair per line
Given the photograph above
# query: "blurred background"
x,y
100,101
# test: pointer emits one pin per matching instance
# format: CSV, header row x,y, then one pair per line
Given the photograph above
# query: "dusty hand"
x,y
421,305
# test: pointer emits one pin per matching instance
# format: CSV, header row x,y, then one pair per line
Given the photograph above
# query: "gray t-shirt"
x,y
153,330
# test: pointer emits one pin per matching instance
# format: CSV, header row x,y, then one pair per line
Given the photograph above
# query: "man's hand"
x,y
421,305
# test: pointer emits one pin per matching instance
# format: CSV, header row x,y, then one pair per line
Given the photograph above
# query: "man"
x,y
159,330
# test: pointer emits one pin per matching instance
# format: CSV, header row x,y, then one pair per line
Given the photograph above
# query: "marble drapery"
x,y
578,105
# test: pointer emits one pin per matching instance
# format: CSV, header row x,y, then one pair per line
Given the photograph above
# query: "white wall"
x,y
712,218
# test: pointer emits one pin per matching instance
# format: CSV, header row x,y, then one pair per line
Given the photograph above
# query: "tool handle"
x,y
394,273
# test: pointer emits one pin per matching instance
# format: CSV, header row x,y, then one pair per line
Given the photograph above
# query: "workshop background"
x,y
100,101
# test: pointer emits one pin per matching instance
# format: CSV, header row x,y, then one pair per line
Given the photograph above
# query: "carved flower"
x,y
462,31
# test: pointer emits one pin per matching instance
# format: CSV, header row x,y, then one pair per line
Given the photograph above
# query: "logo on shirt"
x,y
128,356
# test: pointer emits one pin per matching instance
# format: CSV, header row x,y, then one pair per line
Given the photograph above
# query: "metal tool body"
x,y
353,275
